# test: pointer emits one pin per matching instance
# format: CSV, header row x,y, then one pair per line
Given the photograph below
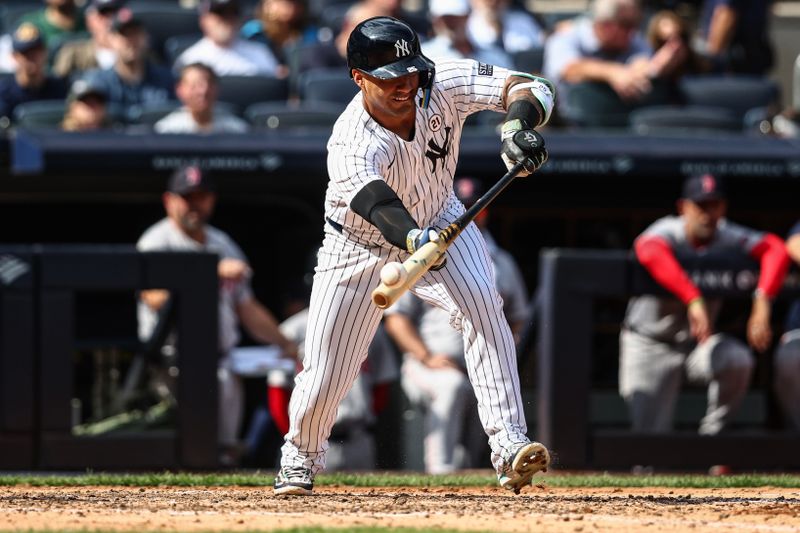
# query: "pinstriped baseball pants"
x,y
343,320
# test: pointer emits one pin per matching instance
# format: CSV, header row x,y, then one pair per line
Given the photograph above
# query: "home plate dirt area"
x,y
537,508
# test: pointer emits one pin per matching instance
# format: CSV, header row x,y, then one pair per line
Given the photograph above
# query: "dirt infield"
x,y
538,508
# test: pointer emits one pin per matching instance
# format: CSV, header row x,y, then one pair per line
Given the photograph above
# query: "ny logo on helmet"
x,y
401,47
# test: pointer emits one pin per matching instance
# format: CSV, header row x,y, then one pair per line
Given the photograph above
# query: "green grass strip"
x,y
389,479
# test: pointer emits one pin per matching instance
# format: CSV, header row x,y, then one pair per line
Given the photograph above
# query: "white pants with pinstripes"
x,y
343,320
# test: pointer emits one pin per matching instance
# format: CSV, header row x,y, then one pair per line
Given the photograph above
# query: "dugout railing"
x,y
570,282
39,289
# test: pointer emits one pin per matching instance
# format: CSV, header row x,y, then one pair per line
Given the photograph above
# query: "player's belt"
x,y
334,225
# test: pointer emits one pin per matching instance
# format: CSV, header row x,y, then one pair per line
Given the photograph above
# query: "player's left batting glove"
x,y
417,238
522,144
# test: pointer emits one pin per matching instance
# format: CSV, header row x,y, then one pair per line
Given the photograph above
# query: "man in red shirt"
x,y
662,336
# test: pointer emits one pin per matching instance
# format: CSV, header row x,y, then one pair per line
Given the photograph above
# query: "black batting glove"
x,y
522,144
417,238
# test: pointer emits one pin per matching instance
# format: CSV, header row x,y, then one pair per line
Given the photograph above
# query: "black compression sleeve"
x,y
380,206
526,111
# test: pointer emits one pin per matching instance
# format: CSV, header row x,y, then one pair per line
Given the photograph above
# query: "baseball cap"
x,y
83,87
124,19
219,6
105,5
441,8
468,190
188,179
26,37
703,187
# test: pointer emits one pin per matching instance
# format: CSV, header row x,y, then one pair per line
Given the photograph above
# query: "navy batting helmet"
x,y
387,48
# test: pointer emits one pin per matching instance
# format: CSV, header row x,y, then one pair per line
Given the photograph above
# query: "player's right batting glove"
x,y
417,238
522,144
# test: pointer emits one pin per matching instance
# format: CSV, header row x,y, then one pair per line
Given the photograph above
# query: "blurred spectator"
x,y
197,90
325,56
787,354
497,23
30,81
434,369
735,35
668,37
86,107
394,8
189,203
450,39
607,48
96,52
134,80
280,25
222,49
787,123
60,20
7,63
352,440
663,337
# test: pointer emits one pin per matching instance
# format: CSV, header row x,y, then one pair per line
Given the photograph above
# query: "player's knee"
x,y
787,361
732,355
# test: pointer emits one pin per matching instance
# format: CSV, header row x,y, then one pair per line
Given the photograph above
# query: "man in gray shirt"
x,y
189,202
197,89
608,48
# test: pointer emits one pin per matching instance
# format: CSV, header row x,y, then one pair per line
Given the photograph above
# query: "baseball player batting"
x,y
391,159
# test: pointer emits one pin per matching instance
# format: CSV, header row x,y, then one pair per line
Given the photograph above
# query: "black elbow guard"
x,y
379,205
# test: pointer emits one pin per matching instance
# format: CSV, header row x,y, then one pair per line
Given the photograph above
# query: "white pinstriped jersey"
x,y
342,319
420,171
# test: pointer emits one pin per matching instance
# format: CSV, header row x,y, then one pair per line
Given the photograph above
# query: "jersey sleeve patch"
x,y
485,70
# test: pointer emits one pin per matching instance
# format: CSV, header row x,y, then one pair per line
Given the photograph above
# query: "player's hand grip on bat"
x,y
417,238
524,145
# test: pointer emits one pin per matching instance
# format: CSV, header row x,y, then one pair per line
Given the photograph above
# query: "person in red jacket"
x,y
663,337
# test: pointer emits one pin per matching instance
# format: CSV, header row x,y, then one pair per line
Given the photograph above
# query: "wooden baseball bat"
x,y
423,259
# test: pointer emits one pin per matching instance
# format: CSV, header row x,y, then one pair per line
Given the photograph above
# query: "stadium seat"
x,y
689,119
596,105
242,91
163,20
40,114
12,11
174,46
282,116
739,94
529,60
324,85
149,114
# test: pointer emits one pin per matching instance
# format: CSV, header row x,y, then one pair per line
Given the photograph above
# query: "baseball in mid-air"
x,y
393,274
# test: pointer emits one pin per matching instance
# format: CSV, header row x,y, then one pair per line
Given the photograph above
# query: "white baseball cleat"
x,y
530,458
294,480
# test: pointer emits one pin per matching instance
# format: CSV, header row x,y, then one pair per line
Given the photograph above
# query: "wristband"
x,y
521,114
696,301
759,292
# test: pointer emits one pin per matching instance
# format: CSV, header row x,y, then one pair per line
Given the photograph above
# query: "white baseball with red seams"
x,y
393,274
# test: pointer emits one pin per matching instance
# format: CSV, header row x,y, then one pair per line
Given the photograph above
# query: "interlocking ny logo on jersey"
x,y
437,152
402,49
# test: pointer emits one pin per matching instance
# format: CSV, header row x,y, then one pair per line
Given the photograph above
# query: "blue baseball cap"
x,y
26,37
703,187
